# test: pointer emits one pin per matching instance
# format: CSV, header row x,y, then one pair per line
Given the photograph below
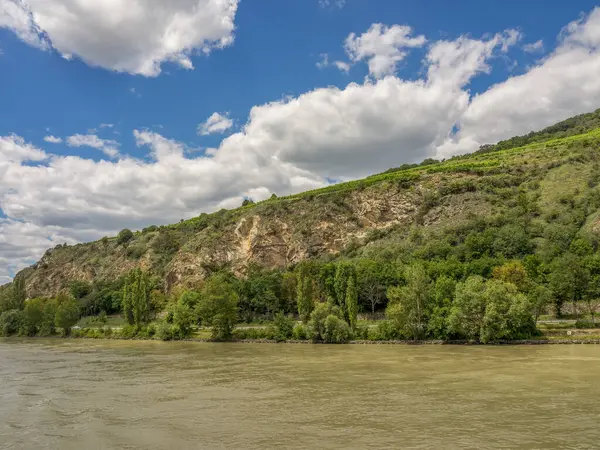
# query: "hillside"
x,y
543,192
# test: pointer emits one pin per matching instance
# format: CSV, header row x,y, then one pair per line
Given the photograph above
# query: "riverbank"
x,y
557,341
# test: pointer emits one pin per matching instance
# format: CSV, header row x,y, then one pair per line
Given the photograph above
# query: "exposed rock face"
x,y
271,235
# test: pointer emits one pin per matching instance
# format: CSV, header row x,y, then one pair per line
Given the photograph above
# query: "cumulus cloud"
x,y
297,143
16,16
216,123
108,147
382,47
133,36
52,139
563,84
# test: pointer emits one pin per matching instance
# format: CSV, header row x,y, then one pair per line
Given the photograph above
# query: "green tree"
x,y
317,323
33,315
19,293
47,326
11,322
343,273
468,311
540,297
67,315
443,297
352,302
305,292
218,306
513,272
410,305
80,289
569,281
124,236
490,311
183,319
137,298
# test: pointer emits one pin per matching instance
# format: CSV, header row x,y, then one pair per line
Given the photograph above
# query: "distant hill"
x,y
536,195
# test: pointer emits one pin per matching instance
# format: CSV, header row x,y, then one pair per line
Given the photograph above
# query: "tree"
x,y
317,323
305,292
513,272
19,293
80,289
569,281
124,236
443,296
372,278
11,322
540,297
183,318
410,305
468,310
33,314
490,311
218,306
352,302
343,273
67,315
137,298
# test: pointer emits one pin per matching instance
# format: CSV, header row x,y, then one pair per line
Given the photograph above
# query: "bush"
x,y
361,333
284,327
337,331
124,236
254,333
385,331
11,322
299,332
316,324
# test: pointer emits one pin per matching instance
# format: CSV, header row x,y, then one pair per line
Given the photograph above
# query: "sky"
x,y
125,113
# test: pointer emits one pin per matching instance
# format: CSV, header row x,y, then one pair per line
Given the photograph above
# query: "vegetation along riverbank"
x,y
485,248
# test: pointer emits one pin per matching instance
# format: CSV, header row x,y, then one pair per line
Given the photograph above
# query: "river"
x,y
74,394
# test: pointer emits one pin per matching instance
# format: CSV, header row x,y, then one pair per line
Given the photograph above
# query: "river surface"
x,y
75,394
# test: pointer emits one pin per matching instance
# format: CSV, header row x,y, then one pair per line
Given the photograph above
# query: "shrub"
x,y
11,322
299,332
337,331
317,329
124,236
284,327
385,331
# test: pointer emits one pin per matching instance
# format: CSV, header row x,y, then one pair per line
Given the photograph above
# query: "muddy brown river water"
x,y
75,394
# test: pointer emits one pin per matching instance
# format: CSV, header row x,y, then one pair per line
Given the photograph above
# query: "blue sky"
x,y
115,90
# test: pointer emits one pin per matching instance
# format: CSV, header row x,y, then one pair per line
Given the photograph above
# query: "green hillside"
x,y
474,247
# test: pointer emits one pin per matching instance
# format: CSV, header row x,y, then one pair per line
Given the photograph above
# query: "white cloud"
x,y
108,147
455,62
69,199
52,139
534,47
294,144
323,62
216,123
382,47
563,84
343,66
17,17
133,36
